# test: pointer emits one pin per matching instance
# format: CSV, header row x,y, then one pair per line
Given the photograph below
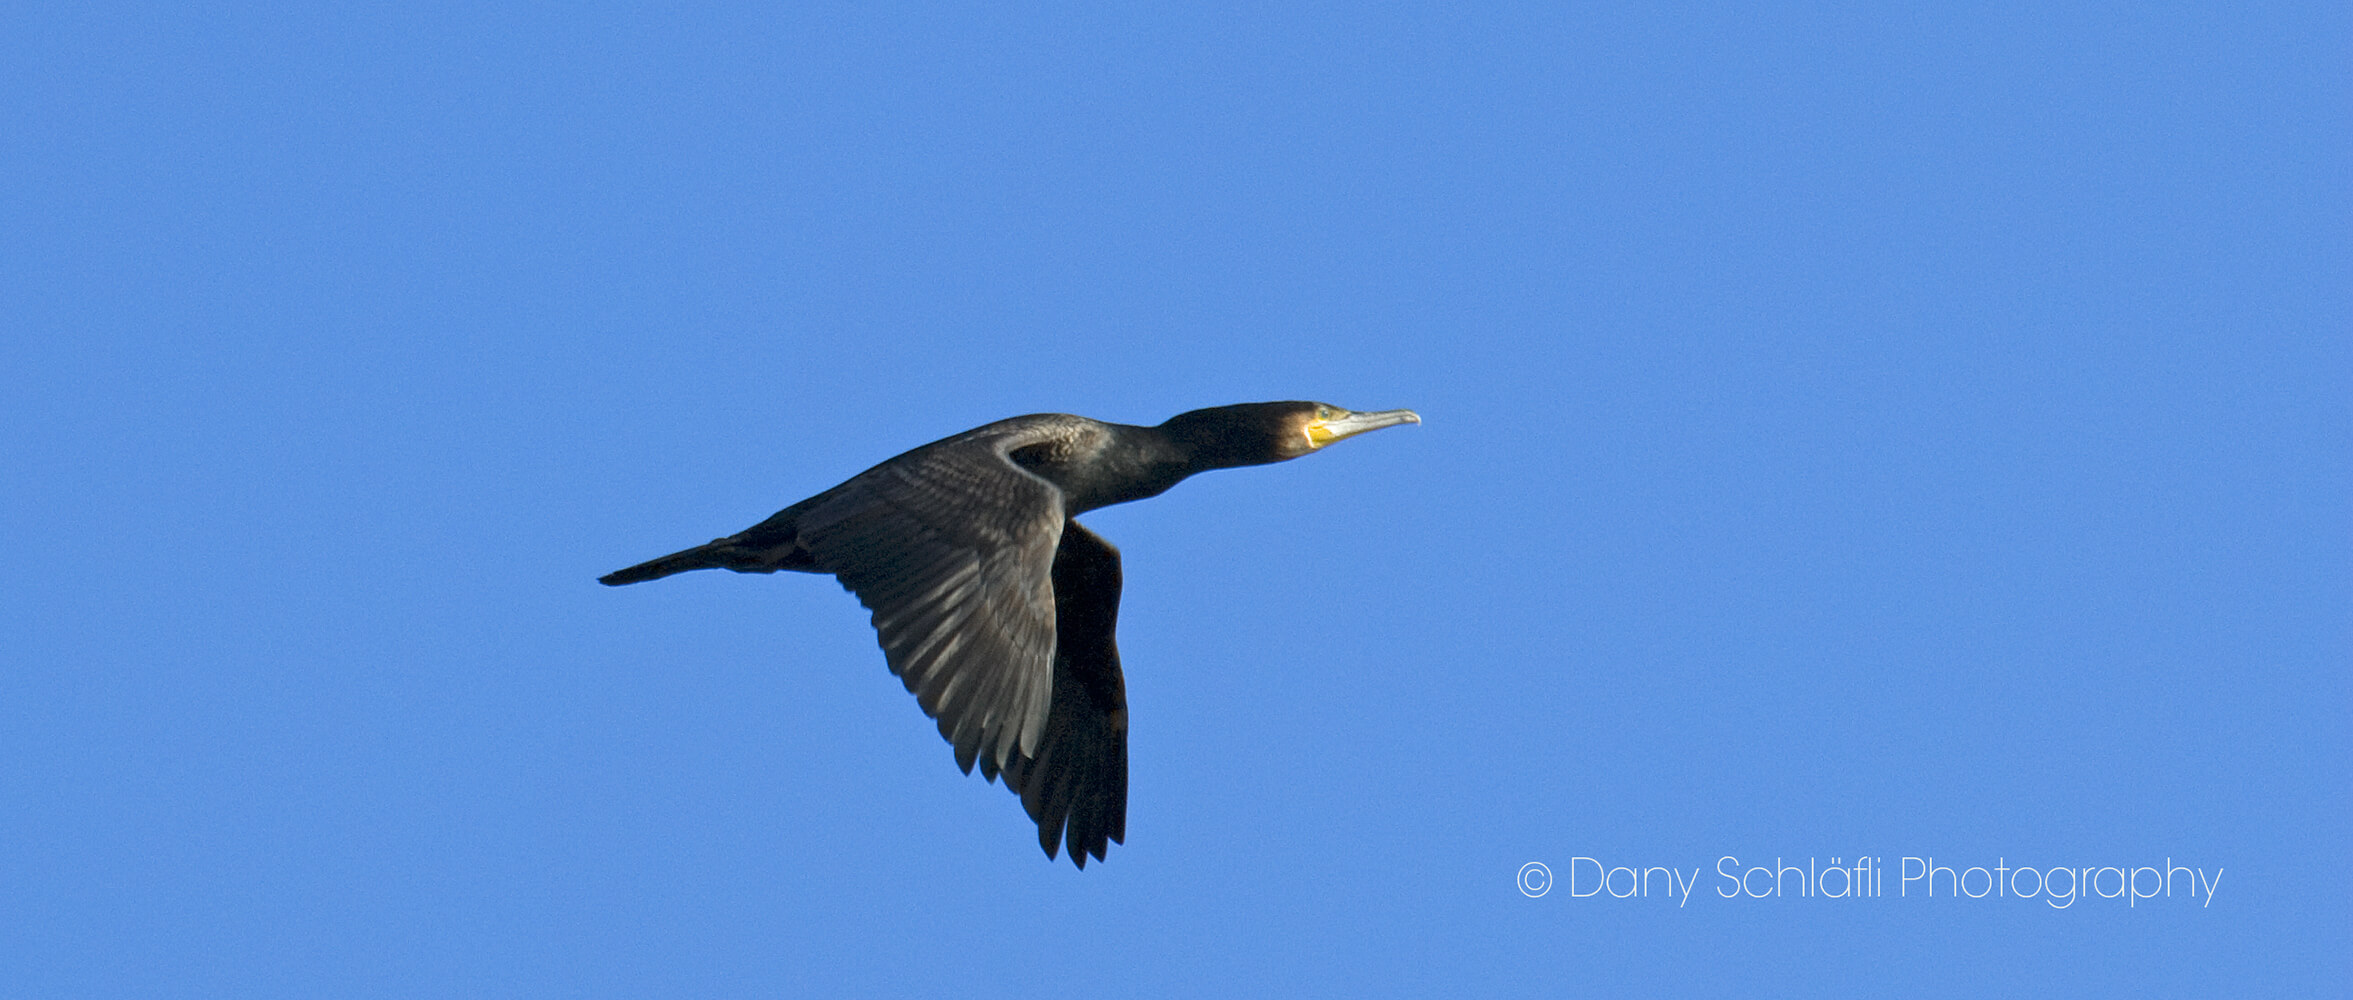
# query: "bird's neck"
x,y
1135,463
1129,463
1207,439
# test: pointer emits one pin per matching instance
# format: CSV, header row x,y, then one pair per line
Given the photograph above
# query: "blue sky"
x,y
1849,433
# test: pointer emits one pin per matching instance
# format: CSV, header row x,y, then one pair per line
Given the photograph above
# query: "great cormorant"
x,y
992,604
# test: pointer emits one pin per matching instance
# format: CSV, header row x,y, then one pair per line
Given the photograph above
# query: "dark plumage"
x,y
994,606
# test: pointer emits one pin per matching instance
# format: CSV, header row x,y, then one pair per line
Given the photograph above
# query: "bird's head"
x,y
1258,433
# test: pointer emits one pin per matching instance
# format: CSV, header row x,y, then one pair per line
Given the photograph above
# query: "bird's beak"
x,y
1348,425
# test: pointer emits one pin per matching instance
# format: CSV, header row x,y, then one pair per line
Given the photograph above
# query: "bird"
x,y
993,605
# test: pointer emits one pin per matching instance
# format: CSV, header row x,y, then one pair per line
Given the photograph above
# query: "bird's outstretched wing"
x,y
952,547
1075,785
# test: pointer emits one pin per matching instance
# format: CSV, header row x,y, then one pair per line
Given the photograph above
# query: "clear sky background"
x,y
1921,432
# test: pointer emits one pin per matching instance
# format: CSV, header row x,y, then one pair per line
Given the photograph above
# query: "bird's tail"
x,y
765,547
710,555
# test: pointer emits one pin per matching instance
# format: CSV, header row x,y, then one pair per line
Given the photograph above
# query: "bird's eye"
x,y
1323,413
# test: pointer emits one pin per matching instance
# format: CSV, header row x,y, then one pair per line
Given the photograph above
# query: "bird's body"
x,y
998,610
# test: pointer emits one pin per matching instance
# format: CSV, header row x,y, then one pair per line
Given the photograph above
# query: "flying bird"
x,y
993,604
